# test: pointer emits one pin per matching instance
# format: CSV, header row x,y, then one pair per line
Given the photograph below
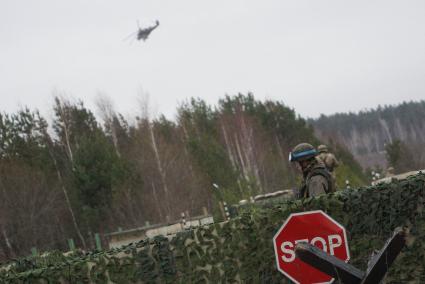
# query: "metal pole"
x,y
71,244
34,251
97,241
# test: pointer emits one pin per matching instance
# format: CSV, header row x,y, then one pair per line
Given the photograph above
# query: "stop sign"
x,y
316,228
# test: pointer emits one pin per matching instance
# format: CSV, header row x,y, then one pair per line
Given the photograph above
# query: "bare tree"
x,y
107,113
63,112
64,189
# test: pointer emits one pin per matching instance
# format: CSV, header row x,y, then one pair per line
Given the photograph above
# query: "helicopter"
x,y
143,34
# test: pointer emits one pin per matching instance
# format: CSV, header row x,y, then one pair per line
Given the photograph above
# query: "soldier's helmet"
x,y
302,152
322,149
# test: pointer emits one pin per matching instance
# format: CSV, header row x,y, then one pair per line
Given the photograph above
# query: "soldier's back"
x,y
330,161
320,173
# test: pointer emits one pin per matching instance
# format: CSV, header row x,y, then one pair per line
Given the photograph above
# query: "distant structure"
x,y
376,181
124,237
262,199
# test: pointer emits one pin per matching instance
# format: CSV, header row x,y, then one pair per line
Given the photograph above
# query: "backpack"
x,y
318,170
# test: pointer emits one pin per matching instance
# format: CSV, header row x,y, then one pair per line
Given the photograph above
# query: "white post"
x,y
183,220
226,210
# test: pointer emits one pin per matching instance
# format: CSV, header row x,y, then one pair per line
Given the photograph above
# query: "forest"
x,y
79,173
370,133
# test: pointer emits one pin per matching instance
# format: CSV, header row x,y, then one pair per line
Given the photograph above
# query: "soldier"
x,y
316,178
327,158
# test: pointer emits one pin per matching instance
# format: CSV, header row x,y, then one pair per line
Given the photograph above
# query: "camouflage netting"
x,y
241,250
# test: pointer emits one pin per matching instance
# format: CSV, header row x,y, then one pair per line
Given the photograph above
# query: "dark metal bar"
x,y
328,264
382,261
347,273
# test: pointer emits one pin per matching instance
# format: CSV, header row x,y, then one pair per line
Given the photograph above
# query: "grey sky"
x,y
316,56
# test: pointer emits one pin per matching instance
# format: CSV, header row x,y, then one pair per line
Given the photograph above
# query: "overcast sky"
x,y
316,56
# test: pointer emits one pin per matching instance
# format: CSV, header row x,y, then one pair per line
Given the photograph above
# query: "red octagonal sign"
x,y
316,228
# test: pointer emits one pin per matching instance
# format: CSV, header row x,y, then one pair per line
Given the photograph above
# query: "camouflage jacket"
x,y
329,160
317,180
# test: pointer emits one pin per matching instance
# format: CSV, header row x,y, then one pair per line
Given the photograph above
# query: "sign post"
x,y
317,229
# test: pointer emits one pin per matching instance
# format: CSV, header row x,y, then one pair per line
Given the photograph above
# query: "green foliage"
x,y
22,137
209,156
277,129
72,121
348,169
97,169
274,116
92,178
241,250
399,156
91,165
344,173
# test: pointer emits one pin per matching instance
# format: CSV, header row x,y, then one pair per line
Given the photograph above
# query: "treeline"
x,y
76,176
368,134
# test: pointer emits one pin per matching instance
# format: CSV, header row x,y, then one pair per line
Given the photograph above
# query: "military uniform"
x,y
316,178
327,158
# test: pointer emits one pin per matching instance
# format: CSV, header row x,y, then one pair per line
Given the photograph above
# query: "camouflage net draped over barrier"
x,y
241,250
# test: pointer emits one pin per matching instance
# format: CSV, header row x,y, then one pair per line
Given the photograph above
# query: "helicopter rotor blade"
x,y
132,41
129,36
